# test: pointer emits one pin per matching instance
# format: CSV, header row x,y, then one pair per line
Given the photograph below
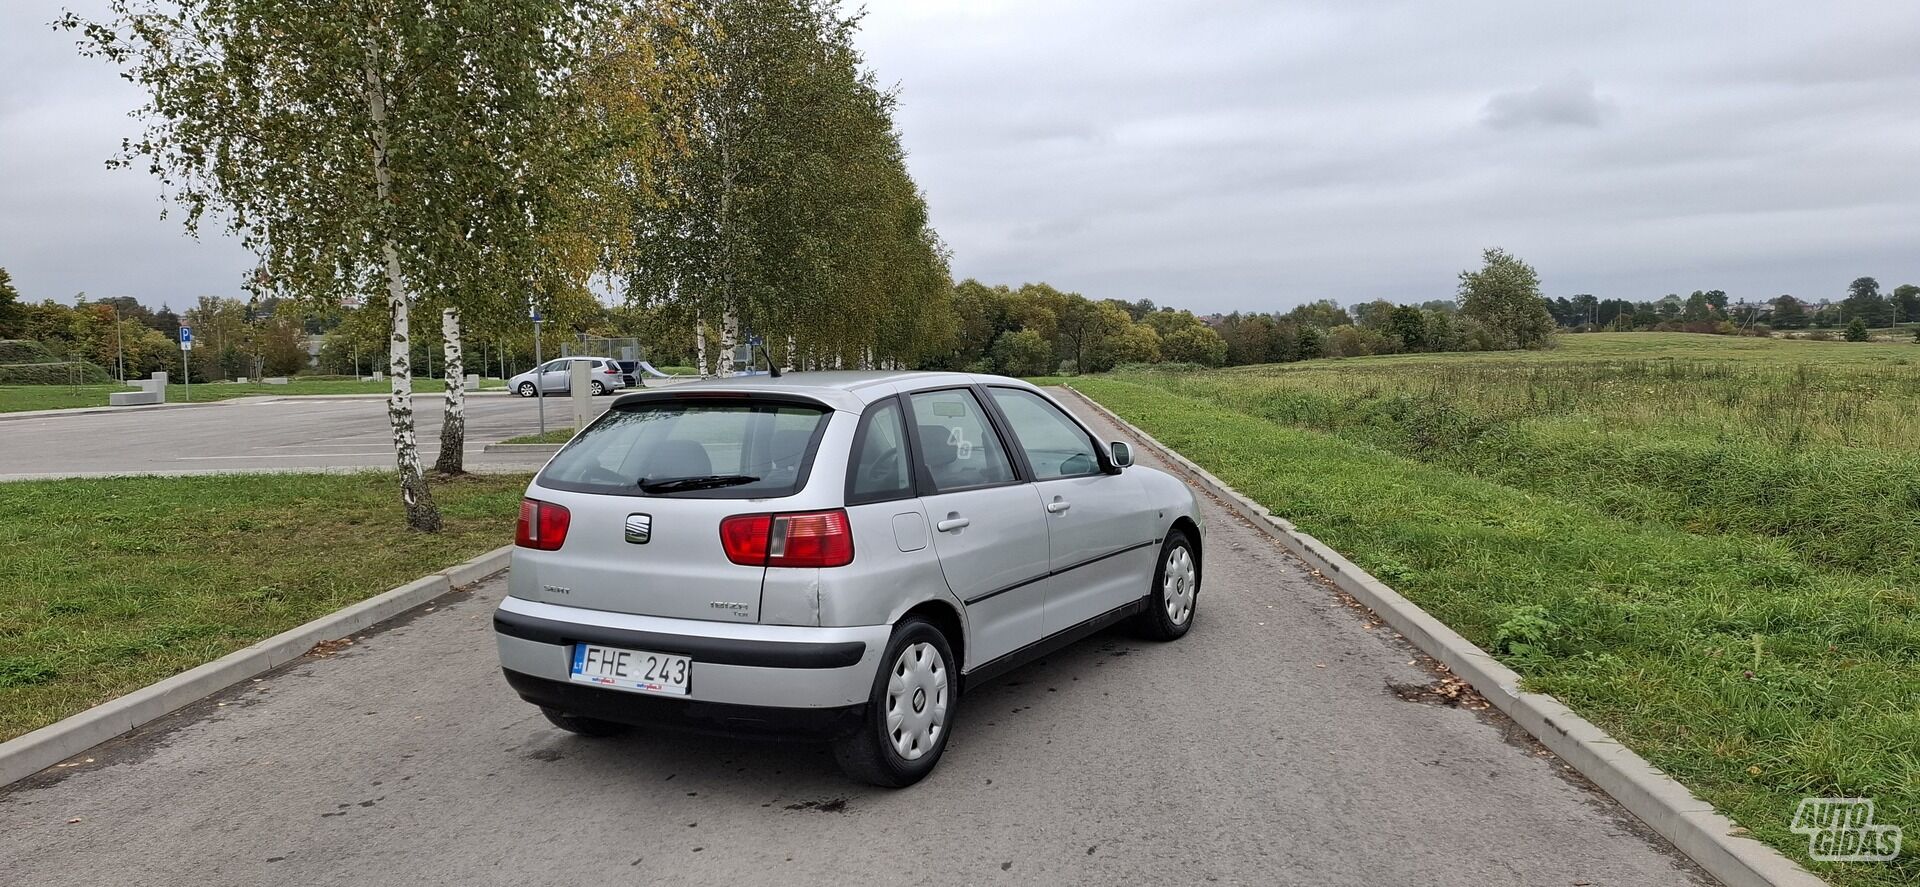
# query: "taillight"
x,y
543,525
811,539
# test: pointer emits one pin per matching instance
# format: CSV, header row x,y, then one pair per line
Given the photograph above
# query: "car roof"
x,y
849,390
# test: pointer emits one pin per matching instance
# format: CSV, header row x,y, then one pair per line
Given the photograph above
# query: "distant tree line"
x,y
1709,311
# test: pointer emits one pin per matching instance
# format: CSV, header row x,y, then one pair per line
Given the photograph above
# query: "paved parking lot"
x,y
1283,741
263,434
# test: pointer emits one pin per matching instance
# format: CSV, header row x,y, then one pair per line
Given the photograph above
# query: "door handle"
x,y
1058,505
953,522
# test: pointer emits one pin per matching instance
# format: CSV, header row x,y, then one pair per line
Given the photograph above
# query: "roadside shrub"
x,y
1021,353
1820,336
25,351
73,371
1527,633
1857,330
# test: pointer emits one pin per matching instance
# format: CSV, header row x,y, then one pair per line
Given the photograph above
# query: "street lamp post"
x,y
539,383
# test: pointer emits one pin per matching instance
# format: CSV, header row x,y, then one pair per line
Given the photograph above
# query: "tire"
x,y
582,726
918,654
525,389
599,388
1172,605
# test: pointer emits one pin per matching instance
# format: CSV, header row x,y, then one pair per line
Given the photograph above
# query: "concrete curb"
x,y
264,397
86,411
28,754
546,449
1656,798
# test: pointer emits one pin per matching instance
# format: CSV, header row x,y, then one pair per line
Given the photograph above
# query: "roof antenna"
x,y
767,353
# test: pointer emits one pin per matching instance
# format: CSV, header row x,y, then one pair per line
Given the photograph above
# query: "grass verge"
x,y
1730,661
109,585
553,436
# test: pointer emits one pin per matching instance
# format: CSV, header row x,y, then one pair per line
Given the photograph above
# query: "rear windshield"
x,y
720,449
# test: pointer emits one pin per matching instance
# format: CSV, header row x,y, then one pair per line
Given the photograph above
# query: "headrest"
x,y
678,458
934,447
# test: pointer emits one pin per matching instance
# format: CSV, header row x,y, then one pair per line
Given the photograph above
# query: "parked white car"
x,y
833,555
604,376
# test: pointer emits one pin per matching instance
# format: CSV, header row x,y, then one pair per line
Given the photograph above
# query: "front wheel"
x,y
909,713
1176,591
525,389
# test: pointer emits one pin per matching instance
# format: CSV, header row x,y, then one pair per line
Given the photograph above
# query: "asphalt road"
x,y
261,434
1285,740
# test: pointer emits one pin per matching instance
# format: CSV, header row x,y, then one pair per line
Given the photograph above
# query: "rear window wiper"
x,y
702,482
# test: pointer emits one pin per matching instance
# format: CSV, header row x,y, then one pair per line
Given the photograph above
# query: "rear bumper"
x,y
753,666
716,718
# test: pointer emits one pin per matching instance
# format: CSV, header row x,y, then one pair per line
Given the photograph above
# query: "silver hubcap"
x,y
1178,584
917,700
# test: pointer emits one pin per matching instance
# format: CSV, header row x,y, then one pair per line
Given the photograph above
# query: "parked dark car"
x,y
630,373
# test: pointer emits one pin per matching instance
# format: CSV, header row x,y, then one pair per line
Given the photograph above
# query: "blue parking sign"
x,y
186,338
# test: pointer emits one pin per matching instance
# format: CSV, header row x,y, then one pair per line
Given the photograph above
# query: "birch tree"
x,y
791,213
382,149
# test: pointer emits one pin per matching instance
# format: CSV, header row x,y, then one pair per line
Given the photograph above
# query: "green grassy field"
x,y
1709,546
15,398
109,585
552,436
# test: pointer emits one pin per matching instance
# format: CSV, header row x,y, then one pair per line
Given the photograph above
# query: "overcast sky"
x,y
1243,155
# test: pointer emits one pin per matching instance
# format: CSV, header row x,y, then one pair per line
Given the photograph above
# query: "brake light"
x,y
613,372
811,539
543,525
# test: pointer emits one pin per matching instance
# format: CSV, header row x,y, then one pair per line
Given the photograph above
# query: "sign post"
x,y
539,375
186,372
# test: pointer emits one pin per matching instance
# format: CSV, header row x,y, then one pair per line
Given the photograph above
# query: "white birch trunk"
x,y
700,345
453,415
421,513
788,365
729,340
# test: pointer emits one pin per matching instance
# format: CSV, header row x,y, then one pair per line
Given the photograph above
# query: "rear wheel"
x,y
909,713
599,388
582,725
1176,591
526,389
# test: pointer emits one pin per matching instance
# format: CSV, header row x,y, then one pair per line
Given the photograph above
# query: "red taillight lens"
x,y
812,539
543,525
744,536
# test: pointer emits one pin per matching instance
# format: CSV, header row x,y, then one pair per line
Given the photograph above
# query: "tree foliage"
x,y
790,211
1504,297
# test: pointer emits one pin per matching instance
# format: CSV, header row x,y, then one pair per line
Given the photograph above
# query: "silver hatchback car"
x,y
831,555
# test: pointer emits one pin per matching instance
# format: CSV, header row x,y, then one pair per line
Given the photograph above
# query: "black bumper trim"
x,y
719,651
686,715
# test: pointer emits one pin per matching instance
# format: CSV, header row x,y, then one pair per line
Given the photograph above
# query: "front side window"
x,y
1055,445
721,449
880,470
957,446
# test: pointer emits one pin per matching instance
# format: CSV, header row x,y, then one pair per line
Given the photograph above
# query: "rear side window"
x,y
721,449
880,470
958,448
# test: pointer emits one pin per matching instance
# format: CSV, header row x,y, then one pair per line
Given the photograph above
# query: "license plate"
x,y
637,670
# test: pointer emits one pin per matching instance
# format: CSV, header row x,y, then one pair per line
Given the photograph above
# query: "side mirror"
x,y
1122,454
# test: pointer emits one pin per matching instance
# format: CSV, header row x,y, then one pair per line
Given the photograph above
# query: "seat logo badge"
x,y
639,528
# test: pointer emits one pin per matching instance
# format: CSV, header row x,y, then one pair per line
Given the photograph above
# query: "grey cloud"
x,y
1246,154
1569,101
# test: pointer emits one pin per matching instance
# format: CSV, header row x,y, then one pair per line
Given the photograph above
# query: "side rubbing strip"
x,y
1051,573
